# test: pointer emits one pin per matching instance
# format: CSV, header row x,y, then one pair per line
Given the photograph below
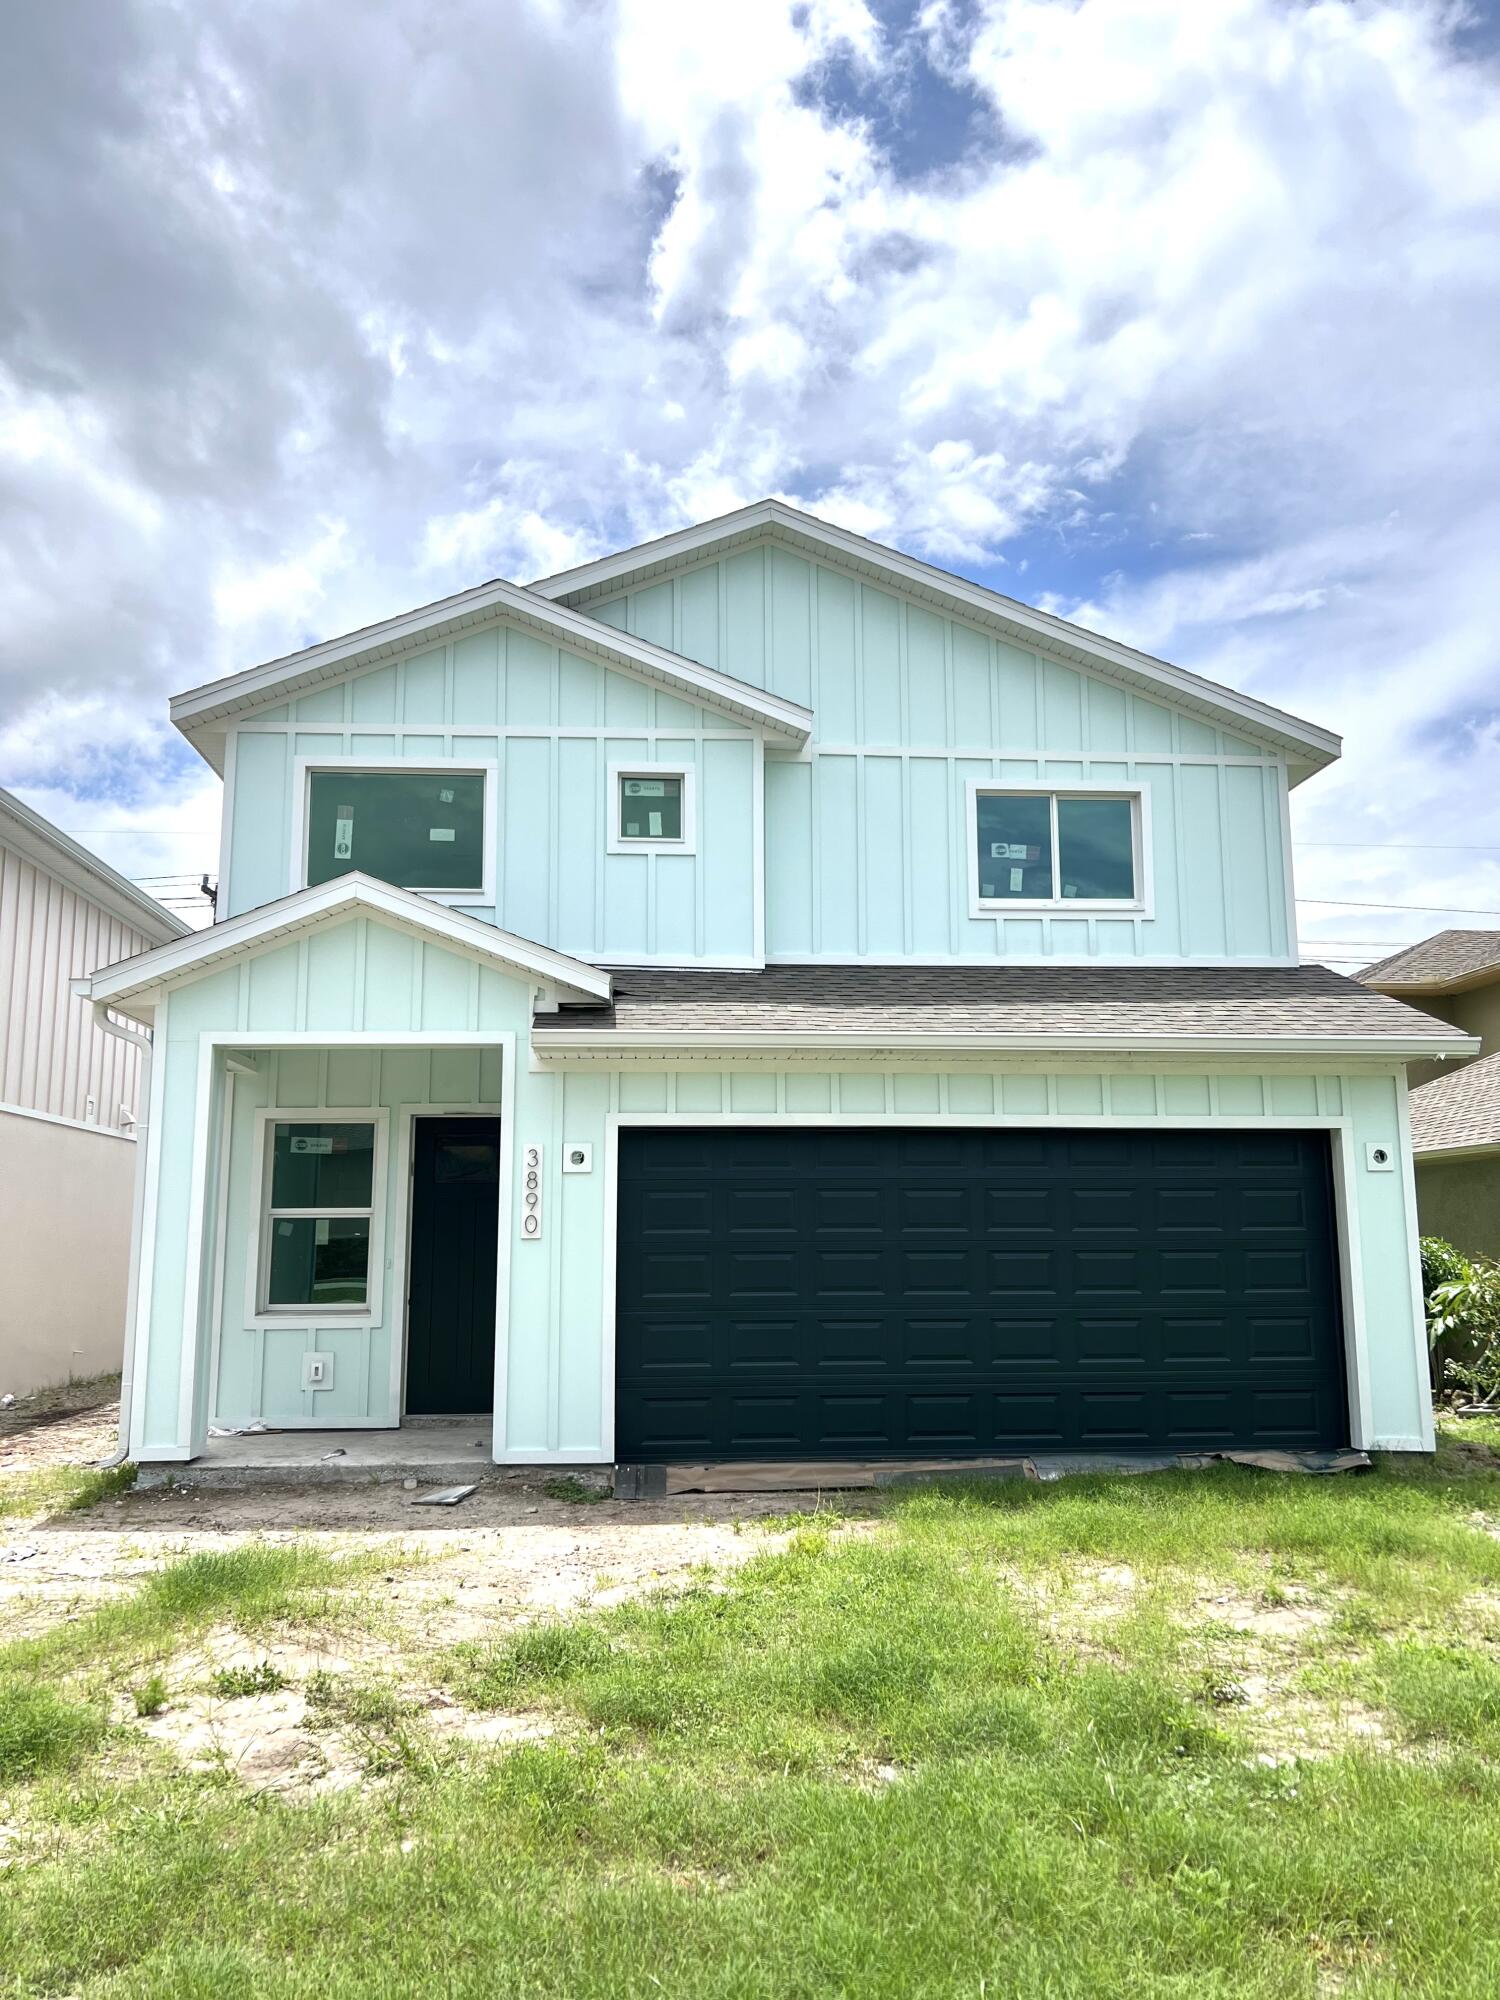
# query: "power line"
x,y
1422,909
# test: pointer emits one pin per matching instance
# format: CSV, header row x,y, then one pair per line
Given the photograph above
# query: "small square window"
x,y
650,806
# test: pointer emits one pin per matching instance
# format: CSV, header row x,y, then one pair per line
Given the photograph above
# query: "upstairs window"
x,y
321,1180
1066,849
420,829
651,807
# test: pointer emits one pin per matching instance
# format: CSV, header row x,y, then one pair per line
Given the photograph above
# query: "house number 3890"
x,y
531,1195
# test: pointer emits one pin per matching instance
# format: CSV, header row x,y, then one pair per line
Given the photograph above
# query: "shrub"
x,y
263,1678
1463,1319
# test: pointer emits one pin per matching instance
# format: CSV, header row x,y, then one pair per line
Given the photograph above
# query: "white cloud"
x,y
307,325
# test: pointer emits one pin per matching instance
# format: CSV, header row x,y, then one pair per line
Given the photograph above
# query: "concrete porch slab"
x,y
433,1451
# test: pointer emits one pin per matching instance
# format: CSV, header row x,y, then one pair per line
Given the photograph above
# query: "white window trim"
x,y
303,769
257,1263
688,844
1139,906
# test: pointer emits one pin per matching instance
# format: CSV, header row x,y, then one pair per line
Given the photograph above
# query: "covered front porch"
x,y
334,1182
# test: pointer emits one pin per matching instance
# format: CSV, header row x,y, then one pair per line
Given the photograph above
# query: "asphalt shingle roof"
x,y
1459,1109
1448,956
1042,1001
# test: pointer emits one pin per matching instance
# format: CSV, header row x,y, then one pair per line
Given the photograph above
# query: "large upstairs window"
x,y
1073,849
422,829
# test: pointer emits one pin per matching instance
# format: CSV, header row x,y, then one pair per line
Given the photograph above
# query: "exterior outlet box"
x,y
1380,1159
578,1159
317,1371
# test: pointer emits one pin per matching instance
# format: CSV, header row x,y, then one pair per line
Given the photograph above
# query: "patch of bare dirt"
x,y
78,1424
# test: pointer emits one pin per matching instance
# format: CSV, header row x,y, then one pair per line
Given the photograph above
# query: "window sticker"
x,y
1013,850
343,834
445,796
1017,877
320,1231
311,1142
645,788
441,833
653,820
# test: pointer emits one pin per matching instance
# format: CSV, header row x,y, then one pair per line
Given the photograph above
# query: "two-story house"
x,y
755,996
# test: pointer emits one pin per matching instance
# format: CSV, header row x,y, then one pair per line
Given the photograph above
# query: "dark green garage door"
x,y
834,1293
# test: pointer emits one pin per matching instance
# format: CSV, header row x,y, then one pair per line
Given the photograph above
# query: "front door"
x,y
450,1320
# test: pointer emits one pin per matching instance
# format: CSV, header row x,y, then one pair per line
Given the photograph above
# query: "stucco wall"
x,y
1460,1201
65,1195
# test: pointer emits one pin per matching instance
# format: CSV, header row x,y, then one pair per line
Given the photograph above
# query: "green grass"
x,y
904,1760
61,1488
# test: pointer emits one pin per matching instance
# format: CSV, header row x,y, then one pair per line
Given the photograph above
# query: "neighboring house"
x,y
759,996
1455,1107
68,1103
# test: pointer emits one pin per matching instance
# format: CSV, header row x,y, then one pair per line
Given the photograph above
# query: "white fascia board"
x,y
347,895
1307,742
1481,1150
212,707
51,850
559,1041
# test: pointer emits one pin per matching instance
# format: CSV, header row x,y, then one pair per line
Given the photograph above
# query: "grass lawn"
x,y
1199,1734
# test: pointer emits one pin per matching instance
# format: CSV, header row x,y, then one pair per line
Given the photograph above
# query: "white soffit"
x,y
1307,745
203,714
50,849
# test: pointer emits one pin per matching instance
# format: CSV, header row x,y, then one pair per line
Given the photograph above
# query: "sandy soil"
x,y
506,1555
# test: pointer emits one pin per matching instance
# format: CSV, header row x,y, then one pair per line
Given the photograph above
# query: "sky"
x,y
1177,317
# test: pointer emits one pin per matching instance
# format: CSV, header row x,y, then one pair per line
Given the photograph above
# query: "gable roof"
x,y
203,713
49,848
1307,746
347,895
1444,963
1458,1113
1279,1010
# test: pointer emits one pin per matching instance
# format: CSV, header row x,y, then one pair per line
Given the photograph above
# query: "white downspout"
x,y
141,1043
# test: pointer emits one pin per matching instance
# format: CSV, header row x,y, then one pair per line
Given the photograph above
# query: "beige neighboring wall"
x,y
1476,1011
68,1104
65,1199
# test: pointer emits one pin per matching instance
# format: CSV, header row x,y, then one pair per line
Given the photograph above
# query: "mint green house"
x,y
759,996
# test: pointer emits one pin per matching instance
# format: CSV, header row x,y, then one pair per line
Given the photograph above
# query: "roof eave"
x,y
203,714
48,847
1394,1048
347,895
1308,746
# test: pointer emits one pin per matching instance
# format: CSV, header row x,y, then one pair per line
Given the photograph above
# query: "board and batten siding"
x,y
53,1057
555,1399
553,724
867,836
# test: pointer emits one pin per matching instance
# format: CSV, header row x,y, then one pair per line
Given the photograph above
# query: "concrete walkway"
x,y
433,1451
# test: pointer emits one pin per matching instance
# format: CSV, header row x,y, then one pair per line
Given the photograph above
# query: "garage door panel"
x,y
887,1291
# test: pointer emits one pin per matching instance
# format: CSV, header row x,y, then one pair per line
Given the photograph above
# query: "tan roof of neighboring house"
x,y
1438,964
1460,1111
1041,1006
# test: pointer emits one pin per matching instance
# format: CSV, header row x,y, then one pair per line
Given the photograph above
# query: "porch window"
x,y
1056,849
418,829
321,1181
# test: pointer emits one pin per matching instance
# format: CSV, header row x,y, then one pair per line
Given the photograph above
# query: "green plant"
x,y
150,1697
262,1678
1441,1264
1463,1324
568,1488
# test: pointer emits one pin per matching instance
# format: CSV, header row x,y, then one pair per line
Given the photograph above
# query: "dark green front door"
x,y
827,1293
450,1339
